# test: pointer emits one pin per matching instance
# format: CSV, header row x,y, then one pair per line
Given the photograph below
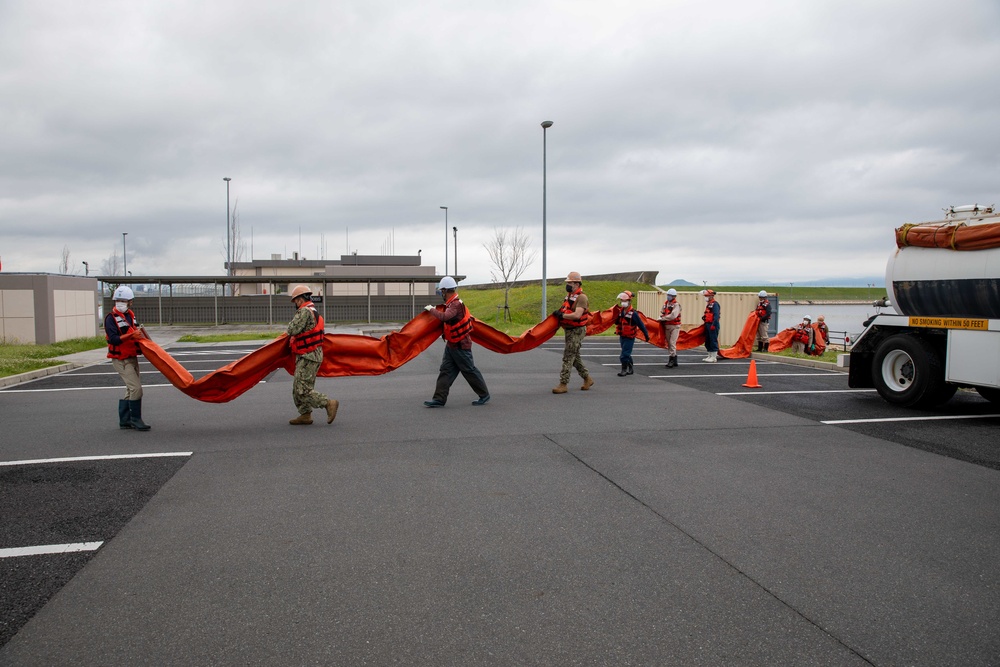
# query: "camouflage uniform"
x,y
306,367
571,354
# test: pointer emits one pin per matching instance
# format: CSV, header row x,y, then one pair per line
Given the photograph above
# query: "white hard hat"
x,y
762,293
447,283
671,292
123,293
806,317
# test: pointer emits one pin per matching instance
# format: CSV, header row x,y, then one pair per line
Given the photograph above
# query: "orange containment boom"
x,y
956,236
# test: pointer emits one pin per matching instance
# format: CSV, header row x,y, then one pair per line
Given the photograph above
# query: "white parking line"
x,y
907,419
801,391
50,549
108,457
743,375
40,391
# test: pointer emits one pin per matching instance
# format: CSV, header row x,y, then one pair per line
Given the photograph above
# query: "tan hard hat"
x,y
300,290
574,277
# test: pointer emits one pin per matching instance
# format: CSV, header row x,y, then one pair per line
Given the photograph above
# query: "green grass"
x,y
525,302
231,337
15,358
797,293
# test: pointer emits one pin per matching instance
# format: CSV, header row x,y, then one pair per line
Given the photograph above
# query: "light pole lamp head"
x,y
546,124
226,179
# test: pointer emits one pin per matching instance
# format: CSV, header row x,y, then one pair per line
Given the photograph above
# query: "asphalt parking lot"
x,y
673,517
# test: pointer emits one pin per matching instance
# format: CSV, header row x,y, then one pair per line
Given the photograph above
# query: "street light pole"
x,y
229,255
124,255
545,126
86,269
445,239
455,231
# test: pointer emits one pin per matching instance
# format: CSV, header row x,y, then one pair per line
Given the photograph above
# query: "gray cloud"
x,y
760,141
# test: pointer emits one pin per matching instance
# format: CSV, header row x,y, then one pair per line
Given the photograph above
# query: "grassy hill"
x,y
525,302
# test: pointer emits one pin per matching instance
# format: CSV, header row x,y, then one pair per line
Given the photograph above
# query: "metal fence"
x,y
166,301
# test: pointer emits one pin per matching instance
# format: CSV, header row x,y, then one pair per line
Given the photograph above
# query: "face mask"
x,y
625,304
569,288
706,299
121,307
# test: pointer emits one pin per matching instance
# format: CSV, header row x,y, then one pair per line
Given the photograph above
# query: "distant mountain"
x,y
680,282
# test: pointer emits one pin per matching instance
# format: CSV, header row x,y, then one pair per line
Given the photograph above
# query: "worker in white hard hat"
x,y
804,338
628,324
305,337
763,313
122,330
457,327
573,316
670,322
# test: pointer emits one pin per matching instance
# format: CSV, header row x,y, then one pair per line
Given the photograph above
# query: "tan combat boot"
x,y
302,420
588,382
561,389
331,410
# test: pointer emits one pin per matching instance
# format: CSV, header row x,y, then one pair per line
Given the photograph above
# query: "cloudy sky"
x,y
718,141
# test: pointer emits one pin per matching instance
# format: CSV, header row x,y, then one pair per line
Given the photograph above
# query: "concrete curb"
x,y
40,373
808,363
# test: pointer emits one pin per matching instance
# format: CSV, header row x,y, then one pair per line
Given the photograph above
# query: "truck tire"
x,y
990,394
907,371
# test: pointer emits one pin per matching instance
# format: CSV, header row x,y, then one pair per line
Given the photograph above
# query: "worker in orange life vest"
x,y
763,313
457,334
628,324
121,330
670,320
573,316
823,330
306,336
713,320
804,338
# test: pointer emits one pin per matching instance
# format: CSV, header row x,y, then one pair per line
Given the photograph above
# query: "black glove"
x,y
557,313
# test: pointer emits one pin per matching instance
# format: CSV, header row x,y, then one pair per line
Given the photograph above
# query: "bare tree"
x,y
510,254
112,266
235,244
64,261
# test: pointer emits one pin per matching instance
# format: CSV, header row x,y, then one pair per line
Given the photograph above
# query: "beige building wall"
x,y
17,316
75,314
734,309
42,308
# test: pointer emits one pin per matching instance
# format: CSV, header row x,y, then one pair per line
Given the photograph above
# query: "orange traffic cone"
x,y
752,376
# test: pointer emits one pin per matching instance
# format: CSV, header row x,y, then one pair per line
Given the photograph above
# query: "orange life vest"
x,y
709,315
668,310
127,348
569,306
761,310
802,333
623,325
307,341
460,326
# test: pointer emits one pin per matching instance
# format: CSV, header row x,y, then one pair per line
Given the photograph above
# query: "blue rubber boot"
x,y
124,416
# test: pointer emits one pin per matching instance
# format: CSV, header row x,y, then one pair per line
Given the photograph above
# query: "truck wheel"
x,y
990,394
907,371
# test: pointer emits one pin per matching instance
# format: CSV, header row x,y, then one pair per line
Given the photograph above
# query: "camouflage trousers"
x,y
571,354
304,392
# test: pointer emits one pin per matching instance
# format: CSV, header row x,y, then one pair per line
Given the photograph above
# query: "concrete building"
x,y
42,308
385,275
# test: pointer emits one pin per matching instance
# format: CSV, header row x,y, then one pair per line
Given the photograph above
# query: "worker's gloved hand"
x,y
812,349
557,314
428,308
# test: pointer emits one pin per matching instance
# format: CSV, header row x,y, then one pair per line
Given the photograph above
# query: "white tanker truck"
x,y
944,284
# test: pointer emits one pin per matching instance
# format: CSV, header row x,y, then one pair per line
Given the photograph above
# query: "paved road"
x,y
650,520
